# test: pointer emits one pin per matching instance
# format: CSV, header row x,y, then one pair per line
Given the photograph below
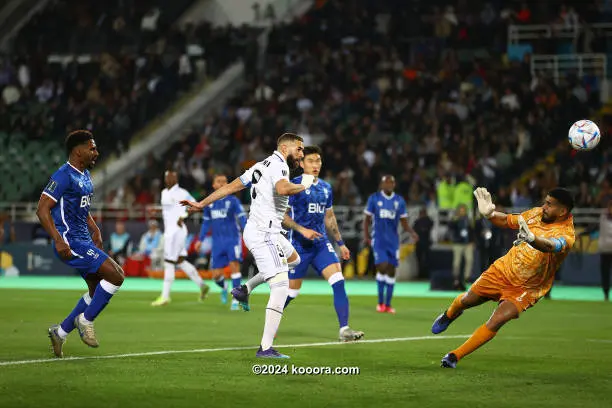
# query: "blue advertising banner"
x,y
23,259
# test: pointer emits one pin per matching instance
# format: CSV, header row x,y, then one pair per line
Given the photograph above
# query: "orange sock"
x,y
456,307
480,337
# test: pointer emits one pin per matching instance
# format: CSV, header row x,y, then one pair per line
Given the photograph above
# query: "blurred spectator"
x,y
120,246
423,227
151,245
7,230
461,229
605,249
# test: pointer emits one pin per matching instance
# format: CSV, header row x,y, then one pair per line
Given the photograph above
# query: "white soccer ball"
x,y
584,135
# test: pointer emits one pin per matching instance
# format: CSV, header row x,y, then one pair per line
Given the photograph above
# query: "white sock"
x,y
191,271
62,333
279,286
254,282
380,277
169,269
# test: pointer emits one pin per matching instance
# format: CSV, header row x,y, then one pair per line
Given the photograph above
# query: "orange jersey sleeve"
x,y
512,219
526,267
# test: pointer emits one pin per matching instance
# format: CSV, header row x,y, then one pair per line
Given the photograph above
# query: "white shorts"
x,y
174,243
270,250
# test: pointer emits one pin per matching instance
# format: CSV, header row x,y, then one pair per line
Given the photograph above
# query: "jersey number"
x,y
330,247
255,179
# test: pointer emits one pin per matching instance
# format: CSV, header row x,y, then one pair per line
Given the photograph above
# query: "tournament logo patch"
x,y
51,186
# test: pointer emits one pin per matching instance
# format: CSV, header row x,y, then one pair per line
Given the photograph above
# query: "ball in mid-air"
x,y
584,135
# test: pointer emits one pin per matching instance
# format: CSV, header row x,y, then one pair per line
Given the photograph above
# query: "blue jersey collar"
x,y
388,197
70,164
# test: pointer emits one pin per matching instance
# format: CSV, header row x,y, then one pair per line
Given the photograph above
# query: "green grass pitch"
x,y
558,354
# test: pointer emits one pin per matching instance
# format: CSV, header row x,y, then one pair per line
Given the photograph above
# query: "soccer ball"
x,y
584,135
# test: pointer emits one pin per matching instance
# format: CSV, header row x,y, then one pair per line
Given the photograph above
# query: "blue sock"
x,y
291,294
287,301
380,280
103,294
390,286
341,303
220,282
68,323
236,277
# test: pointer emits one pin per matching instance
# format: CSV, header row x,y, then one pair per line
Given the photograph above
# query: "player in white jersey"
x,y
274,255
175,237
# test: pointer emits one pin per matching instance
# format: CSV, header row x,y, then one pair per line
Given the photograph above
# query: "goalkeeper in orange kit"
x,y
520,278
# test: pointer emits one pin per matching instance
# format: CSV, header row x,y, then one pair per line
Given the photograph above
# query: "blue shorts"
x,y
225,251
86,257
386,254
320,255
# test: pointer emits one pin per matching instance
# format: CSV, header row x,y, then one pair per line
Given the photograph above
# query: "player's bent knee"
x,y
112,272
280,279
295,284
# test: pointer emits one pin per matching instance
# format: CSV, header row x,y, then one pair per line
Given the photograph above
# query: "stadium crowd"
x,y
109,66
425,92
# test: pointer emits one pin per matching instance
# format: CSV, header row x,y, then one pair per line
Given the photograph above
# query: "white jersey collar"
x,y
279,155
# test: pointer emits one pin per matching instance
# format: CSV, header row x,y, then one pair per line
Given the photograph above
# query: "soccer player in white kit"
x,y
175,237
274,255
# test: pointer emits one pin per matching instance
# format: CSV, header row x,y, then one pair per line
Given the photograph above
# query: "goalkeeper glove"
x,y
485,205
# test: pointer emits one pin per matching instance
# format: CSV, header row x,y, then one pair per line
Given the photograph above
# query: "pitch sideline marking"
x,y
212,350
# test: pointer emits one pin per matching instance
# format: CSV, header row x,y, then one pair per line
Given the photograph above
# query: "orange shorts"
x,y
492,284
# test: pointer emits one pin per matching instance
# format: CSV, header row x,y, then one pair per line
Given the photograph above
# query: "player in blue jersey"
x,y
63,211
385,210
309,216
226,218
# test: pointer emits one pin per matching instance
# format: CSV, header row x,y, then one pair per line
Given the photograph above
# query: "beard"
x,y
546,219
292,162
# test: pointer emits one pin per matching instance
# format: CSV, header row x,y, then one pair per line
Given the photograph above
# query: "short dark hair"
x,y
308,150
289,137
219,175
563,196
77,138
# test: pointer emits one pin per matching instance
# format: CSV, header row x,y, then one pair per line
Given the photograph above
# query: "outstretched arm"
x,y
549,244
499,219
231,188
287,188
487,208
542,244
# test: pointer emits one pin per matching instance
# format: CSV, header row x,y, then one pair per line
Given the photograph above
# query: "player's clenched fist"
x,y
485,204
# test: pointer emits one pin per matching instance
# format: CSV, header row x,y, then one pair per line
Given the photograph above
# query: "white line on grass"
x,y
600,340
212,350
